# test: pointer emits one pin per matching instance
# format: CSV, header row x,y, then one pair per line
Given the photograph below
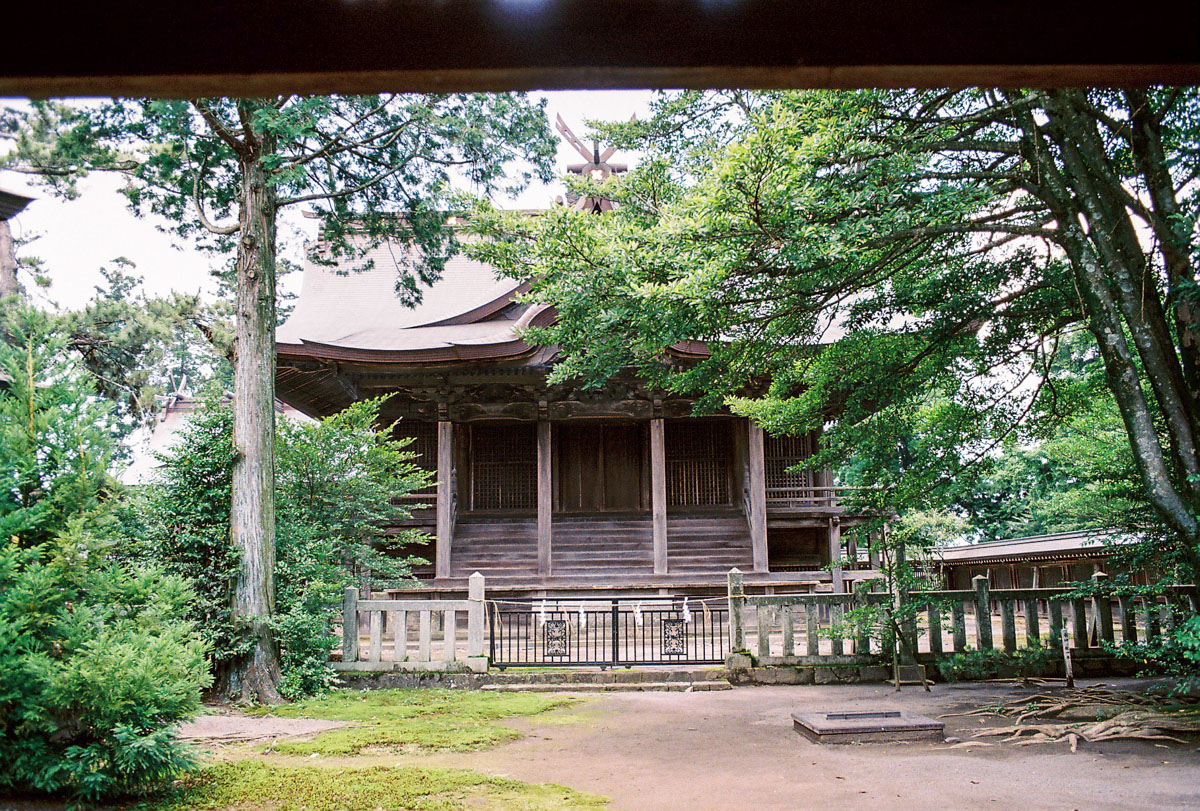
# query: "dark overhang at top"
x,y
248,47
12,204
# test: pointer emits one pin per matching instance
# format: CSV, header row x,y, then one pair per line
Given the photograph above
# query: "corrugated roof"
x,y
360,310
1061,543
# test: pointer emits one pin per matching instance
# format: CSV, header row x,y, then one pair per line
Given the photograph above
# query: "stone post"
x,y
476,660
737,603
983,612
350,625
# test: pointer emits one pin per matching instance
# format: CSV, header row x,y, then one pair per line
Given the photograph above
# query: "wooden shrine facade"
x,y
550,487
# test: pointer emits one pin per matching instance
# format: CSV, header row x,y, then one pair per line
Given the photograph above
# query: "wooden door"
x,y
698,463
598,467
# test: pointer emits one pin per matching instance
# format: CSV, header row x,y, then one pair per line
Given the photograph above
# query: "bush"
x,y
96,666
335,485
973,665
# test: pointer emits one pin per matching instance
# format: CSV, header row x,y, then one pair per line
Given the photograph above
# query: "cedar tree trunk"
x,y
255,676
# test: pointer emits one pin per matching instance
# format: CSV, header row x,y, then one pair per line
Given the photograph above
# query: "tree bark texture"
x,y
8,261
1119,290
255,676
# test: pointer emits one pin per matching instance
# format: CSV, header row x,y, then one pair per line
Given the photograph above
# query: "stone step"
x,y
613,687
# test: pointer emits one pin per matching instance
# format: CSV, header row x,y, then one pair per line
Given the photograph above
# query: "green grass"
x,y
251,786
421,720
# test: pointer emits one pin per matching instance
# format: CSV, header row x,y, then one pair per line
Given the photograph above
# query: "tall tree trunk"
x,y
8,262
255,676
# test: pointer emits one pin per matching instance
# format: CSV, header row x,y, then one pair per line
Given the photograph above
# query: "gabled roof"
x,y
469,312
1083,543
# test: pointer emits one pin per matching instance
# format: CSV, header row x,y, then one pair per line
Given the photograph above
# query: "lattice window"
x,y
783,452
504,467
697,464
424,445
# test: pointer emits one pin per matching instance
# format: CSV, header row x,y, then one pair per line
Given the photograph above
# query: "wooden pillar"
x,y
658,493
758,497
445,497
835,553
545,499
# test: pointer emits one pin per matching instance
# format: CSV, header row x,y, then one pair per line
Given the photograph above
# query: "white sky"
x,y
78,237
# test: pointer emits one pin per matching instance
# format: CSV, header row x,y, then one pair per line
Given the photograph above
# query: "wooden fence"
x,y
810,629
389,640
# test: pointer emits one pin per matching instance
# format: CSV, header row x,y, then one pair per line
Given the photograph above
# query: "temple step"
x,y
601,545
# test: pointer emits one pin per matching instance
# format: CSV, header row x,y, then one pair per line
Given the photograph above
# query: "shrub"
x,y
335,485
971,665
96,666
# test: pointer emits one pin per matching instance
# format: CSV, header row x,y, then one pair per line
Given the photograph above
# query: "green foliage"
x,y
418,720
248,784
902,270
55,437
97,663
335,480
973,665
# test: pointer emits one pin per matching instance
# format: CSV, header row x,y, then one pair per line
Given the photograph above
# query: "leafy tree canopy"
x,y
900,268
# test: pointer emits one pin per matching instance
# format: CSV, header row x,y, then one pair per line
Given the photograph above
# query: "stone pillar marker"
x,y
737,602
983,612
476,612
350,625
758,497
658,493
545,500
445,497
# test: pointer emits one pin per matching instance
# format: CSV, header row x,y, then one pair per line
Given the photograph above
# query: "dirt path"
x,y
736,750
236,727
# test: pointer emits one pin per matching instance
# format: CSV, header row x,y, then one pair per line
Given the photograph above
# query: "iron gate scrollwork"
x,y
610,633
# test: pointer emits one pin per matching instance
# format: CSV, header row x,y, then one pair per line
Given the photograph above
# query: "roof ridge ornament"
x,y
597,167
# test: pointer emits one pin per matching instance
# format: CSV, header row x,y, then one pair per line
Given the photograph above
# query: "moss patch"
x,y
250,786
419,720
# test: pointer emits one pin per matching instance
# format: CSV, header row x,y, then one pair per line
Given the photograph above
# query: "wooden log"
x,y
350,625
983,613
1033,631
758,497
658,494
445,520
1008,624
935,629
424,633
958,616
375,652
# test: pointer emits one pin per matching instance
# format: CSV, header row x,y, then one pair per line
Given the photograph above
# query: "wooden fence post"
x,y
737,601
350,625
983,612
475,611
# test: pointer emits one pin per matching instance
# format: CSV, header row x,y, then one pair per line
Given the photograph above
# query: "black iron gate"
x,y
610,633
